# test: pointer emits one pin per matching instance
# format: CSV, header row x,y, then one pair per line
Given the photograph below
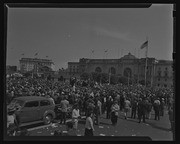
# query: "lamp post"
x,y
110,77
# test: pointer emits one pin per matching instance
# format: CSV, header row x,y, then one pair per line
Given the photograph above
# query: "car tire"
x,y
48,119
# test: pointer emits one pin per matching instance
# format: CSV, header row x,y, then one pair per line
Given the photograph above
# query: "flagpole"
x,y
138,67
122,62
152,75
146,62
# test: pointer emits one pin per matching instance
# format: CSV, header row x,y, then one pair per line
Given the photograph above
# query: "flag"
x,y
105,50
145,44
22,54
36,54
92,51
46,56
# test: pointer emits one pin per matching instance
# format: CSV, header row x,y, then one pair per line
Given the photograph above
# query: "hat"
x,y
11,109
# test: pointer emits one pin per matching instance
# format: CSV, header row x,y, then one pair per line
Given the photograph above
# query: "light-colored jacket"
x,y
75,115
115,108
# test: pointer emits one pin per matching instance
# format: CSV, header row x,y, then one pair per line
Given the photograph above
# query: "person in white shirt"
x,y
74,88
99,105
51,99
75,116
127,106
114,112
11,122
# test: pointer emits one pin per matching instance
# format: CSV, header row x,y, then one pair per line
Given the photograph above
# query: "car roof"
x,y
30,98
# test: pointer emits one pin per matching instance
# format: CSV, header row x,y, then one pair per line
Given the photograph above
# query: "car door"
x,y
30,112
44,105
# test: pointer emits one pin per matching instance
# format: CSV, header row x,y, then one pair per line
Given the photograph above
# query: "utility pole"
x,y
110,76
146,63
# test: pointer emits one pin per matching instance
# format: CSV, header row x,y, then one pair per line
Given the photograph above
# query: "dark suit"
x,y
134,109
109,104
141,110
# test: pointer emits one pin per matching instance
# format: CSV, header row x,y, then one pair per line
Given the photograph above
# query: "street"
x,y
156,130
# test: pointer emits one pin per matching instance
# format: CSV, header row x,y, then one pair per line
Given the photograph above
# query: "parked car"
x,y
33,108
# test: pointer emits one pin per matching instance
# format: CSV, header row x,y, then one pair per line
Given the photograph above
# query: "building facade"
x,y
127,66
164,74
11,69
34,64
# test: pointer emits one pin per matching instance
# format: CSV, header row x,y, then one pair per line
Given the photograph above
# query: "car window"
x,y
44,103
32,104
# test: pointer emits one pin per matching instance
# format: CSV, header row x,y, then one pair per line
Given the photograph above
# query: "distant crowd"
x,y
92,98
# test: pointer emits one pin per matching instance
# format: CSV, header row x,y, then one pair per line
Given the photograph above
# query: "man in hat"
x,y
114,112
157,109
75,116
108,106
134,108
12,122
141,109
64,109
171,118
162,104
127,106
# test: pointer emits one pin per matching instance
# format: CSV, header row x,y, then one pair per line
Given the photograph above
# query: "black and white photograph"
x,y
90,72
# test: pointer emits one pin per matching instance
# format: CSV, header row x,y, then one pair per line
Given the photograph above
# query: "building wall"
x,y
137,67
164,80
28,64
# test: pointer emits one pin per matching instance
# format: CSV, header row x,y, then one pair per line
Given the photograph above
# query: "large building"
x,y
34,64
128,66
164,74
11,69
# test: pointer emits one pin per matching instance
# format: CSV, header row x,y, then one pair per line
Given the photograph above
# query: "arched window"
x,y
128,72
98,70
112,70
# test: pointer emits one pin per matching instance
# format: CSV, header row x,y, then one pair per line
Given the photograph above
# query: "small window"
x,y
44,103
158,79
166,68
158,85
165,73
165,85
32,104
159,73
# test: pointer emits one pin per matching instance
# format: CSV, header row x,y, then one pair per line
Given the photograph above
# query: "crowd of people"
x,y
92,100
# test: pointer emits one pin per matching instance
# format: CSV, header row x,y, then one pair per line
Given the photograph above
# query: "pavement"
x,y
156,130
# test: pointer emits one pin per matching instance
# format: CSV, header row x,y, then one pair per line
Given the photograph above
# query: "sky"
x,y
68,34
